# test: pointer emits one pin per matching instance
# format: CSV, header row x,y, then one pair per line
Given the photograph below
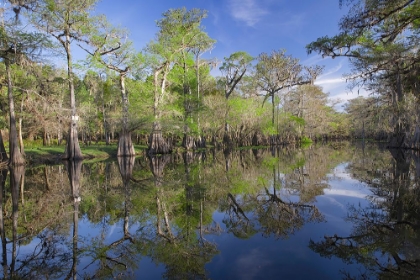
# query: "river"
x,y
333,211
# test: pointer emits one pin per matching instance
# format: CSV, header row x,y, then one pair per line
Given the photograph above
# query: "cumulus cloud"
x,y
248,11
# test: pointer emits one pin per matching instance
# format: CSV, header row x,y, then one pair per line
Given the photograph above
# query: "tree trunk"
x,y
273,109
227,137
21,145
258,139
415,140
157,144
200,142
16,157
106,127
59,130
44,137
125,143
72,151
188,140
3,154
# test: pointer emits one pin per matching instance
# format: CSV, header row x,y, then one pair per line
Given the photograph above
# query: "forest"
x,y
164,97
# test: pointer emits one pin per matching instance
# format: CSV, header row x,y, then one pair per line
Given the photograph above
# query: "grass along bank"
x,y
36,154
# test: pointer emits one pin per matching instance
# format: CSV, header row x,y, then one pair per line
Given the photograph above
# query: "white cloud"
x,y
247,10
336,87
314,59
333,70
329,81
335,202
350,193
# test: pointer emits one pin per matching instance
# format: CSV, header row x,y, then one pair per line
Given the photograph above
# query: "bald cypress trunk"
x,y
16,157
72,151
157,144
125,143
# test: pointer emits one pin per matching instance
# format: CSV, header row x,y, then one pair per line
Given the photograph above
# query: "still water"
x,y
337,211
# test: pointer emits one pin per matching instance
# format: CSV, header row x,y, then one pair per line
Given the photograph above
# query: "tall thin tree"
x,y
67,21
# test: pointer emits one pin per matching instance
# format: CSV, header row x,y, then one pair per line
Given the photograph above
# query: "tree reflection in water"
x,y
74,168
120,257
265,210
176,242
47,259
385,236
171,209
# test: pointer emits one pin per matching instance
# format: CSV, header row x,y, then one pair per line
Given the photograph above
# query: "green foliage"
x,y
270,162
297,120
269,129
305,141
234,68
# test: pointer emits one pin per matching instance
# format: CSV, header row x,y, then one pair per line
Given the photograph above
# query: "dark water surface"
x,y
337,211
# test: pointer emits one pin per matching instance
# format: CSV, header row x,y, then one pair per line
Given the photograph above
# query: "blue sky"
x,y
254,26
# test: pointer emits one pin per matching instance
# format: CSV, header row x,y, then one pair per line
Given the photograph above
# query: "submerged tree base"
x,y
125,145
188,142
157,144
191,143
73,151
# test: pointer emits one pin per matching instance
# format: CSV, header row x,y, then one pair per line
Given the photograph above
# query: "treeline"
x,y
164,96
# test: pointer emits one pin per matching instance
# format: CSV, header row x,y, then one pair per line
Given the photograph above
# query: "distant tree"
x,y
233,69
277,71
368,117
308,106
